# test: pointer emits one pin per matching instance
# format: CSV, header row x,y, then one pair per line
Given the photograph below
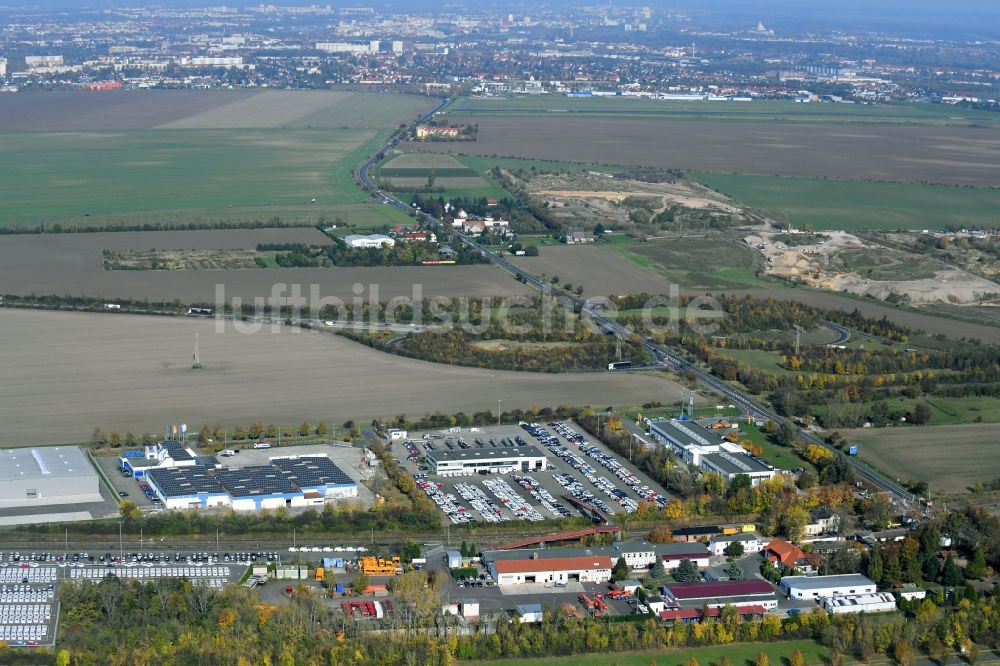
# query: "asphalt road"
x,y
663,357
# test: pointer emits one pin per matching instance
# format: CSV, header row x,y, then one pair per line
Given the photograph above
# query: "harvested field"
x,y
73,264
949,458
598,269
59,111
760,111
692,263
79,371
953,155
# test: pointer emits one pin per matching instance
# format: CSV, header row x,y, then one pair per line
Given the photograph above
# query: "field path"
x,y
79,371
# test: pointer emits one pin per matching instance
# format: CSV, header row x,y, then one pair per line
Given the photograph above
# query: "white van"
x,y
227,453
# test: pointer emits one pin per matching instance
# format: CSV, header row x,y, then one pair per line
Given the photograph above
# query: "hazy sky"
x,y
967,18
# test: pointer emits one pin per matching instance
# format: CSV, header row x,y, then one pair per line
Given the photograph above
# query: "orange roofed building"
x,y
585,568
787,556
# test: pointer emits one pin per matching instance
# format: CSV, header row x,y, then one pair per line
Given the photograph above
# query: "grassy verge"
x,y
743,654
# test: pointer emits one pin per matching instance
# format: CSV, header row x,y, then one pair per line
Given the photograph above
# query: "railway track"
x,y
663,357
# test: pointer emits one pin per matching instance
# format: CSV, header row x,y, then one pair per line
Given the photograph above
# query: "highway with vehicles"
x,y
664,358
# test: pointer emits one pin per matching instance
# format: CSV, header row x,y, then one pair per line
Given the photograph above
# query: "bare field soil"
x,y
64,110
78,371
960,156
73,264
949,458
58,111
598,269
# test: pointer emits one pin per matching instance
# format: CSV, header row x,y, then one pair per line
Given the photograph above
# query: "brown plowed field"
x,y
961,156
75,372
66,111
73,264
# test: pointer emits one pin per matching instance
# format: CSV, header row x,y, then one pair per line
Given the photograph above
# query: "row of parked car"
x,y
542,496
447,502
552,443
580,492
487,508
512,501
26,594
626,477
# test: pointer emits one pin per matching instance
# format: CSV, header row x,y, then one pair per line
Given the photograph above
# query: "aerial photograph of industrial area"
x,y
426,333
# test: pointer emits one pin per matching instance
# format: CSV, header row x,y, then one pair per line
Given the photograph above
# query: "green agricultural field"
x,y
227,159
853,205
457,178
743,654
953,411
47,176
697,263
950,458
756,111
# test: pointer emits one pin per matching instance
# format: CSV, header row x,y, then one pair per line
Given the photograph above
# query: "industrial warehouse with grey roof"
x,y
47,476
470,461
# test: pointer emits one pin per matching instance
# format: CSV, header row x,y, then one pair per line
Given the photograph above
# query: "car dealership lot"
x,y
577,467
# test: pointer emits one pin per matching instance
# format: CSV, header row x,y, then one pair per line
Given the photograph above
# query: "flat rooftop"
x,y
824,582
44,463
688,433
483,455
736,463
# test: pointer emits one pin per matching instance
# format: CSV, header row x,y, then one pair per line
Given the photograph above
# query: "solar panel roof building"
x,y
258,487
291,482
187,487
317,474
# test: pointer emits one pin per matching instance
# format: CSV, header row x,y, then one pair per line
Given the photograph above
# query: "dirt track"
x,y
962,156
76,372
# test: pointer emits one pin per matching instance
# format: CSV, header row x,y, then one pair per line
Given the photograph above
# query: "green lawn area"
x,y
758,358
851,205
742,654
147,175
779,456
697,263
756,111
949,411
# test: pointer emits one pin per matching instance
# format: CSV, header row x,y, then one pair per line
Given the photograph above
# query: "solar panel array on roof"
x,y
207,461
309,472
184,481
255,480
176,450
